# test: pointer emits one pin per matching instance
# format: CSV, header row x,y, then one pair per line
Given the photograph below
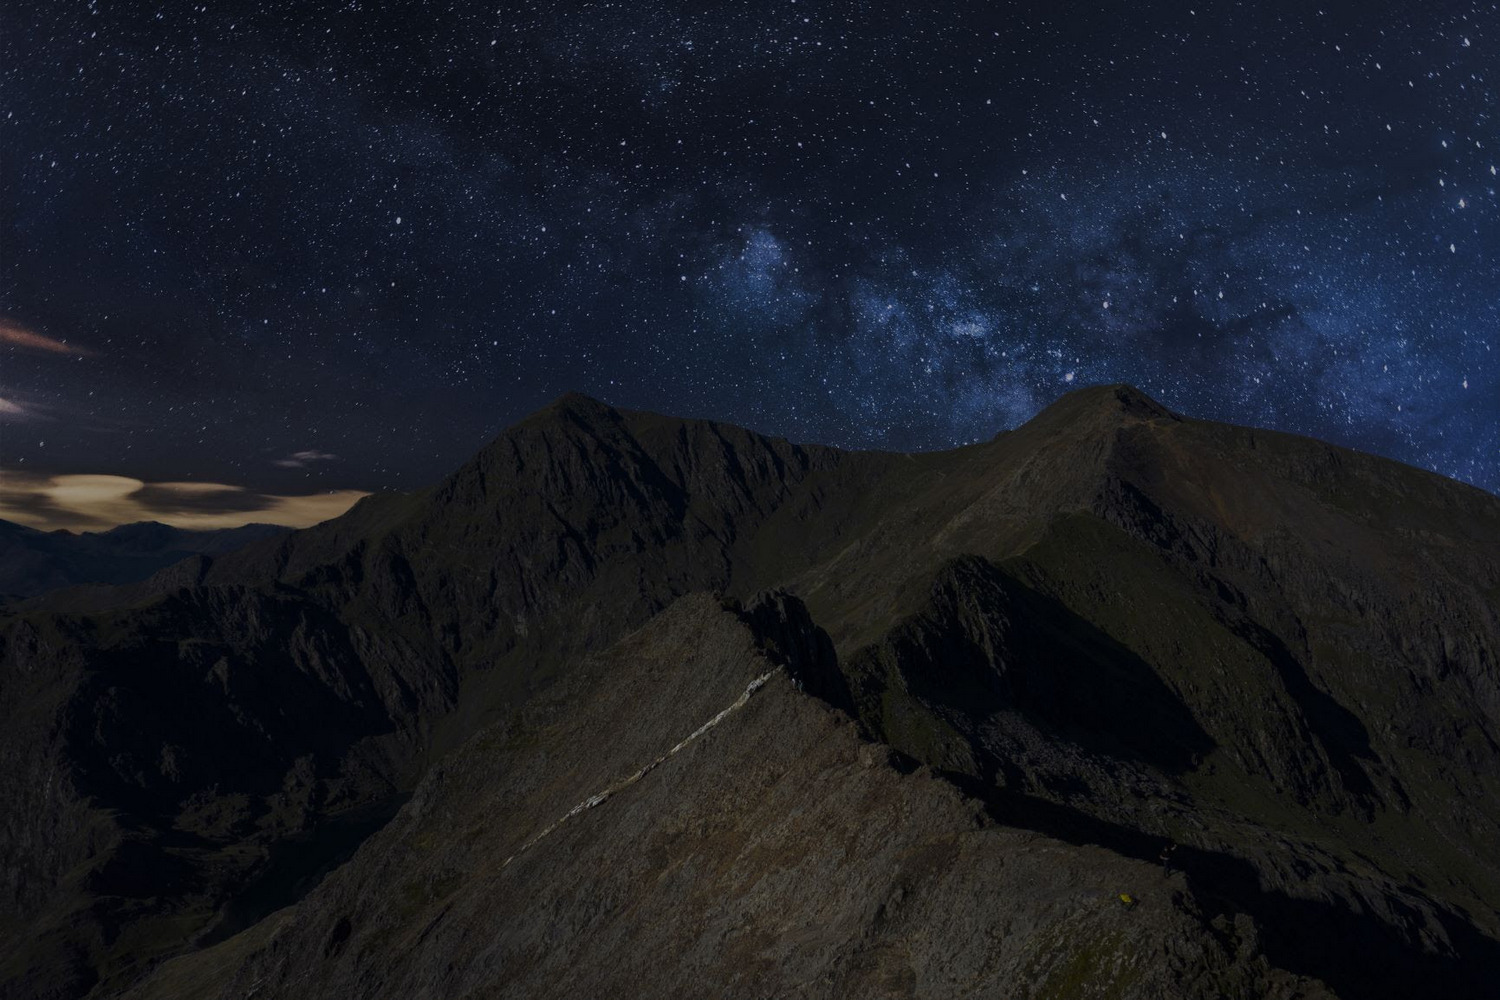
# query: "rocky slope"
x,y
1001,678
778,853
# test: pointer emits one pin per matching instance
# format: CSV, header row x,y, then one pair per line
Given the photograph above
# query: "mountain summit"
x,y
639,705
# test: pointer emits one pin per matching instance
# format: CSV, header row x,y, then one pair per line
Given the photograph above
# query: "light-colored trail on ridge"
x,y
624,783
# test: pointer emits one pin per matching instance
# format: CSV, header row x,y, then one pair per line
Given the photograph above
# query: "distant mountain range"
x,y
33,561
631,705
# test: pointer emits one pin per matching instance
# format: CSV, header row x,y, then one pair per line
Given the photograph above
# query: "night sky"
x,y
305,247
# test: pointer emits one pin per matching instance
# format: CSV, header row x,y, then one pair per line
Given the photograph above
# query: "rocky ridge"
x,y
1110,628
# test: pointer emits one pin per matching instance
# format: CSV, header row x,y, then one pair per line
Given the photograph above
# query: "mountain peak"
x,y
570,407
1097,408
1114,398
573,400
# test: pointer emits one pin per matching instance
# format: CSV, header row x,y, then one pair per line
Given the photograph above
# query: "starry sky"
x,y
252,252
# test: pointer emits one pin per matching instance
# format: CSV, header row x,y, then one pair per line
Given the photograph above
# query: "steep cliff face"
x,y
1108,629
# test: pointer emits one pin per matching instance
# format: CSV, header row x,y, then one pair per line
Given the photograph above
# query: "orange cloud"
x,y
92,502
19,336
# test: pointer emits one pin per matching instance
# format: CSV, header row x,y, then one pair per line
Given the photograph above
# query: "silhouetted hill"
x,y
33,561
996,681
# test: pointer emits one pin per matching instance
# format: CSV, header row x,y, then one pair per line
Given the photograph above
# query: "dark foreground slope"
x,y
1015,670
778,853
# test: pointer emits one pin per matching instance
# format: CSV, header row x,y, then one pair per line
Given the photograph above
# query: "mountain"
x,y
33,561
658,706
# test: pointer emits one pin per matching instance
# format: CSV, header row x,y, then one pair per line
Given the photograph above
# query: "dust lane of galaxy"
x,y
306,247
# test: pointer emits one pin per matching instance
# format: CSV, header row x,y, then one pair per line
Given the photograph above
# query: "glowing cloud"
x,y
101,501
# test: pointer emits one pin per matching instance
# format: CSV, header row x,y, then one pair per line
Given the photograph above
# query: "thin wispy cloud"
x,y
15,335
302,459
23,409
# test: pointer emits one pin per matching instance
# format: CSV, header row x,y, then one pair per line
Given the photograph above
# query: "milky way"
x,y
255,234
